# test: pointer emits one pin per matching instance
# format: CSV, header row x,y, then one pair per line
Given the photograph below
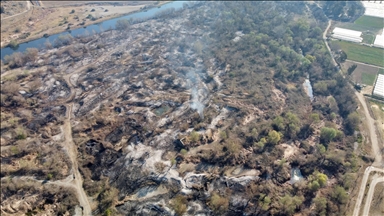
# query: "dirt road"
x,y
364,64
28,8
372,131
362,189
326,43
378,160
376,179
72,153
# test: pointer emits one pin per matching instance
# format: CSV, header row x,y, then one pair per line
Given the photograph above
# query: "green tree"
x,y
339,195
352,123
351,69
327,134
273,137
290,204
320,205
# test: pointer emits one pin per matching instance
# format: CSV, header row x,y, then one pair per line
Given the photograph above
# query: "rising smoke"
x,y
197,92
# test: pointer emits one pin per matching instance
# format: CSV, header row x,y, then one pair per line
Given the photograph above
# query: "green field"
x,y
368,38
361,53
374,22
381,71
368,79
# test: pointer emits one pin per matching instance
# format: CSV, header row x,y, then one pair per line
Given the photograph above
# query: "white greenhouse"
x,y
379,41
379,86
347,34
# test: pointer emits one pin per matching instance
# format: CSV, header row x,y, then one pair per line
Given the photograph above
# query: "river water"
x,y
105,25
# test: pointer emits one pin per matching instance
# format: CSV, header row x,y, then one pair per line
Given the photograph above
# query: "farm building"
x,y
379,41
346,34
379,86
374,8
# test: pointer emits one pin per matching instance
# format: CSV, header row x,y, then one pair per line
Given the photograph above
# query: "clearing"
x,y
363,73
361,53
370,21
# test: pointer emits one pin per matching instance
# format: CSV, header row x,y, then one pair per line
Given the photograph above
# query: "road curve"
x,y
363,184
376,179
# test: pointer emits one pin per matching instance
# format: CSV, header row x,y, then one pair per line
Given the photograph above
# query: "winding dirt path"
x,y
375,148
72,152
377,162
376,179
28,8
326,43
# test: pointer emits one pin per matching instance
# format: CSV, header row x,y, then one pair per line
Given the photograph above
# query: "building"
x,y
378,91
379,40
347,35
374,8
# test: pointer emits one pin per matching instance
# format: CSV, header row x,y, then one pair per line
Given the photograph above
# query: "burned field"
x,y
182,114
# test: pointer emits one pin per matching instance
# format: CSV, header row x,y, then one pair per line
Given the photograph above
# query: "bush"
x,y
183,151
194,136
218,204
72,11
179,204
13,44
122,24
63,40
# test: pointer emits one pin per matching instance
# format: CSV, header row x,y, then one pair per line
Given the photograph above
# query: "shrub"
x,y
72,11
179,204
20,134
194,136
223,135
183,151
13,44
63,40
218,204
122,24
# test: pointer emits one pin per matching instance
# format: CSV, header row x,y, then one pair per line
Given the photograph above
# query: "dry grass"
x,y
35,21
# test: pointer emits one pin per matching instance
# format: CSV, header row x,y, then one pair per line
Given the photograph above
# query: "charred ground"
x,y
197,111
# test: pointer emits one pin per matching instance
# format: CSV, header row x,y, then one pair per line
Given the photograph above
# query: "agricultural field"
x,y
369,21
361,53
364,74
381,71
368,38
366,24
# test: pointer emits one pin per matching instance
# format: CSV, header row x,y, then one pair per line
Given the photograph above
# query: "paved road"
x,y
28,8
376,179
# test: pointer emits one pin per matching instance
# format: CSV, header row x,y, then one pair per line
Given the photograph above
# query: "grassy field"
x,y
374,22
368,38
368,79
381,71
361,53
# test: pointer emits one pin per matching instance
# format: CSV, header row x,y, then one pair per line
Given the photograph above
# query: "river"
x,y
105,25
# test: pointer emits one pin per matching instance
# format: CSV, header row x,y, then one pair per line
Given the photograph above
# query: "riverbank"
x,y
32,25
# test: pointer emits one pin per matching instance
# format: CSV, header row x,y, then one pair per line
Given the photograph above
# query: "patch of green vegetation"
x,y
361,53
375,22
368,79
368,38
381,71
356,27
